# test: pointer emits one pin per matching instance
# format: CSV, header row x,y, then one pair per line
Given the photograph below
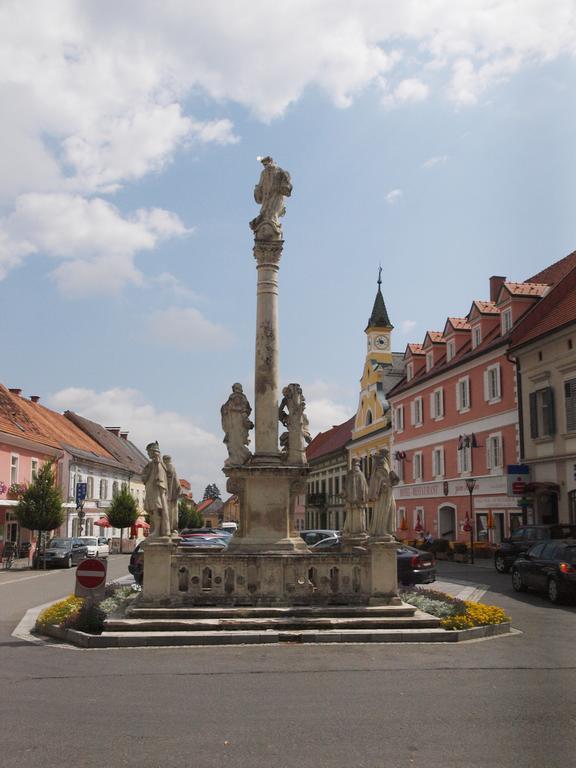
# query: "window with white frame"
x,y
400,512
103,489
90,487
417,466
399,418
429,360
494,451
14,464
417,516
437,403
417,412
476,336
33,469
542,416
438,462
409,371
492,384
464,458
506,320
450,350
463,394
399,469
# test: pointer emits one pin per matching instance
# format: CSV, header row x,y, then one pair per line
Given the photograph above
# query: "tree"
x,y
212,492
40,507
123,512
188,515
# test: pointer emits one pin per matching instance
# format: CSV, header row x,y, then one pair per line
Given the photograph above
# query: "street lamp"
x,y
471,484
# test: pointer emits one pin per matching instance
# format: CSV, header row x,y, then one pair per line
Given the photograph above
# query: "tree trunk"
x,y
121,535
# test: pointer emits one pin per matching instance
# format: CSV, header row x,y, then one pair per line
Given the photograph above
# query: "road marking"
x,y
27,578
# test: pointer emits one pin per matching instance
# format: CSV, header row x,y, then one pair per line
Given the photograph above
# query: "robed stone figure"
x,y
356,496
381,493
155,479
274,185
174,492
236,424
292,416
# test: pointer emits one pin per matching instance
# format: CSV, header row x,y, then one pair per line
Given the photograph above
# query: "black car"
x,y
64,553
548,567
525,537
315,535
413,565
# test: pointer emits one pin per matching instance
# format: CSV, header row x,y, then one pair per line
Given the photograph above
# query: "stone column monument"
x,y
268,481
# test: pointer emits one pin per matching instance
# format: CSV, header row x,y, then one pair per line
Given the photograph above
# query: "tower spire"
x,y
379,317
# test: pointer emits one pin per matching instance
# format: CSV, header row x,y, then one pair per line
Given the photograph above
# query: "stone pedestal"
x,y
384,573
266,494
157,568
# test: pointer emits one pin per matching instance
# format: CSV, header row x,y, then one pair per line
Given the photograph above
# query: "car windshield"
x,y
59,543
90,542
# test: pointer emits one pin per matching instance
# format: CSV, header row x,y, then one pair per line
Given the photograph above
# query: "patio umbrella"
x,y
103,522
418,527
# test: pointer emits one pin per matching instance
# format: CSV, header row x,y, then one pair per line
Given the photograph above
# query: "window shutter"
x,y
413,412
432,405
442,402
442,461
533,414
570,403
459,455
468,393
486,385
458,398
497,381
549,414
489,453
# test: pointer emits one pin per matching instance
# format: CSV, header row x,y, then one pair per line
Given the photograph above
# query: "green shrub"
x,y
116,599
440,545
90,618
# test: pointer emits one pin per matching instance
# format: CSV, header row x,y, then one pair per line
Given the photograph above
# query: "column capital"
x,y
268,252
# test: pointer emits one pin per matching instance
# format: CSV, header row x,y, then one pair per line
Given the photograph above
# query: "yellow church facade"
x,y
382,370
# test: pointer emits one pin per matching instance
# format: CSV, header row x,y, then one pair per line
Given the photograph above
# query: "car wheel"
x,y
69,562
554,594
517,581
500,564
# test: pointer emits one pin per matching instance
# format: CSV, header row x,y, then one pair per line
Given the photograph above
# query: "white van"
x,y
231,526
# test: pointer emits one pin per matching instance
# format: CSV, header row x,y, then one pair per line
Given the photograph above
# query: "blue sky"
x,y
444,151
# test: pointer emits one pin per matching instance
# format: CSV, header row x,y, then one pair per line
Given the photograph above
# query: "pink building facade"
x,y
455,423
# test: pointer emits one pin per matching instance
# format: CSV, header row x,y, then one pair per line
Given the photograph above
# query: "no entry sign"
x,y
90,577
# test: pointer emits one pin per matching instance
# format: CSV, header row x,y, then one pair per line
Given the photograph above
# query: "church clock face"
x,y
381,342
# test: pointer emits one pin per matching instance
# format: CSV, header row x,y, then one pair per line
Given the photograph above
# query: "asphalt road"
x,y
496,704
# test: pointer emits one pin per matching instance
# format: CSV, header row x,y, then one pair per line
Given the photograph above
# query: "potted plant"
x,y
460,552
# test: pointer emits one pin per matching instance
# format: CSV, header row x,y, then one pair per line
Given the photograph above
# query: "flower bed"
x,y
83,615
454,613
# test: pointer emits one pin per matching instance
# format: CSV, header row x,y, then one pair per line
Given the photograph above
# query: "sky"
x,y
433,137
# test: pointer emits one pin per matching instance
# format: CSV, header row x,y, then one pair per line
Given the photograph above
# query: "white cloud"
x,y
436,160
407,326
96,242
393,196
173,284
198,455
186,328
323,414
410,90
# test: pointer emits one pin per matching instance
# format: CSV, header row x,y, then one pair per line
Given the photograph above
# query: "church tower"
x,y
372,430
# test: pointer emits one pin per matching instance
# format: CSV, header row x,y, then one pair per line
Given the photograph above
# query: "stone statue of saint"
x,y
295,440
356,496
155,479
236,425
381,492
174,491
273,187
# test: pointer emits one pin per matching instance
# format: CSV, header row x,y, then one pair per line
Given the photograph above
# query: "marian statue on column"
x,y
269,193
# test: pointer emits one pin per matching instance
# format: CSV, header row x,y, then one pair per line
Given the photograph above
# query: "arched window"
x,y
369,418
90,488
103,489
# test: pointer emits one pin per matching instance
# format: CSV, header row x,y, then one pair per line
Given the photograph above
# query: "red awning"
x,y
103,522
141,524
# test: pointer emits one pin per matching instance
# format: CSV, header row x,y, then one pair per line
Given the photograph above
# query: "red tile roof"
x,y
185,484
485,307
205,504
557,309
527,289
333,440
35,422
555,272
415,349
459,323
436,337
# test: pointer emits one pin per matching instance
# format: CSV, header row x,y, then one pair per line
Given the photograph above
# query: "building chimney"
x,y
124,435
15,391
35,398
114,430
496,282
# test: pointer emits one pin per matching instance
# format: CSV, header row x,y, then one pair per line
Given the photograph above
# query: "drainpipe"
x,y
516,362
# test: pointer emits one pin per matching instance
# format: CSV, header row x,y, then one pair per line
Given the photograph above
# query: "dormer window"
x,y
450,350
429,360
476,336
506,320
409,371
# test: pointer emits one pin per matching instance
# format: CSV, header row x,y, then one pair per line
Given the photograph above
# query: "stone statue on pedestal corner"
x,y
273,187
174,492
155,479
236,425
381,492
356,497
291,414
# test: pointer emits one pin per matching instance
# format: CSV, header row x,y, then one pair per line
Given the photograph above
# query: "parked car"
x,y
64,552
414,565
136,564
548,567
525,537
95,547
312,536
214,542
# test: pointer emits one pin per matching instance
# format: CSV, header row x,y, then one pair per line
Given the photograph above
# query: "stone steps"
x,y
245,612
276,623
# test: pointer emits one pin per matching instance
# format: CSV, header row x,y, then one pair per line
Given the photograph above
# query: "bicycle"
x,y
8,556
